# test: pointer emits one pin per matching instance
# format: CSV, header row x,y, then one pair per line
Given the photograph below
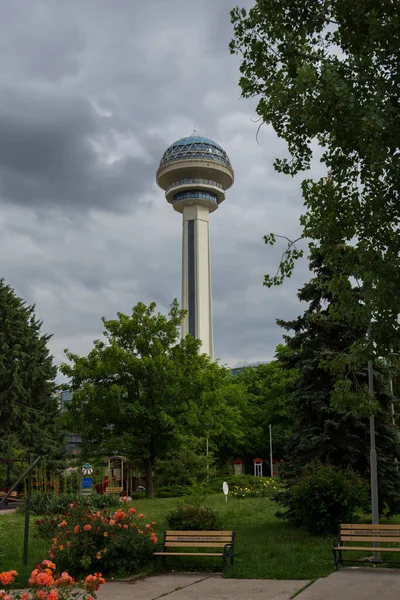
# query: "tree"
x,y
320,431
141,389
28,405
328,73
267,404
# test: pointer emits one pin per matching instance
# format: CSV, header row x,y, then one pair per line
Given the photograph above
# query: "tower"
x,y
195,172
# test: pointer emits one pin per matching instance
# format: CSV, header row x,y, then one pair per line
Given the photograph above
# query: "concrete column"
x,y
196,276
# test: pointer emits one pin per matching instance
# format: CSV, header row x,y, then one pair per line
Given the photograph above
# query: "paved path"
x,y
360,583
355,583
200,587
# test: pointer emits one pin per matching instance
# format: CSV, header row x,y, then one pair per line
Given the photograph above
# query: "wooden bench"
x,y
366,534
175,541
114,490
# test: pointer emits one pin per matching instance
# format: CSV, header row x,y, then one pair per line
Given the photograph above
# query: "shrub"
x,y
322,497
171,491
194,518
44,503
215,484
265,487
116,543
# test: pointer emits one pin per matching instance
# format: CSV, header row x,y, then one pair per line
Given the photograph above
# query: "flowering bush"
x,y
266,487
116,543
47,585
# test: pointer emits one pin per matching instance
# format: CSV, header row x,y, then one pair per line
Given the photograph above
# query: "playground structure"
x,y
121,476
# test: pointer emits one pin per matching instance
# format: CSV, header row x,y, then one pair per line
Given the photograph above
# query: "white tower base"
x,y
196,276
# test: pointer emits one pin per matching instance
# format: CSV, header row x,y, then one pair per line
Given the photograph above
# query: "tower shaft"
x,y
196,276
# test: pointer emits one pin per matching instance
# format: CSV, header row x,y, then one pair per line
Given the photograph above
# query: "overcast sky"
x,y
91,94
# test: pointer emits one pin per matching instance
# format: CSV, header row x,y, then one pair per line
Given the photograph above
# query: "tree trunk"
x,y
148,470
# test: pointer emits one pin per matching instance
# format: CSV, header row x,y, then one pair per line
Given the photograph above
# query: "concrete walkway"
x,y
360,583
355,583
199,587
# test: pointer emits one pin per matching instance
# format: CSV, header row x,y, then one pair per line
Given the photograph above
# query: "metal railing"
x,y
185,181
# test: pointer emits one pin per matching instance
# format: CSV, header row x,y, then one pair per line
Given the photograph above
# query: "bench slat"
x,y
370,538
203,533
367,549
369,526
194,544
186,554
199,539
369,532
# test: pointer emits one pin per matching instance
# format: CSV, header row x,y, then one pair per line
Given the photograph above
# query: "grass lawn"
x,y
265,547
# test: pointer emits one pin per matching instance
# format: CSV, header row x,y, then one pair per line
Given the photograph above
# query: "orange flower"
x,y
126,526
48,564
105,534
98,555
63,523
7,577
65,579
52,595
132,510
76,529
140,515
147,526
112,522
25,596
87,527
61,547
44,579
41,594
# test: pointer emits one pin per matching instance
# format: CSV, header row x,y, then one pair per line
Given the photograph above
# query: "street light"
x,y
373,460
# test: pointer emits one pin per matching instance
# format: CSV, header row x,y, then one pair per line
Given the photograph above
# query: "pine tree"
x,y
321,430
28,406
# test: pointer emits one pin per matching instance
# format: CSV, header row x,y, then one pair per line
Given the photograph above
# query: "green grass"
x,y
12,543
265,547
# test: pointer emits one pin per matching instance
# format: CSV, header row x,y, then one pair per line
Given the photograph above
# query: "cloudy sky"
x,y
91,94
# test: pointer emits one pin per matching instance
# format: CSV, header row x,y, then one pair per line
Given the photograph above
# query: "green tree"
x,y
267,404
28,405
327,73
141,389
319,430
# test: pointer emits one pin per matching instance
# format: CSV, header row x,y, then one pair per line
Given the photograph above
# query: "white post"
x,y
270,450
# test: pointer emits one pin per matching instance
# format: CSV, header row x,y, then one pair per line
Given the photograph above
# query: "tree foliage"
x,y
266,387
336,434
28,406
141,391
329,72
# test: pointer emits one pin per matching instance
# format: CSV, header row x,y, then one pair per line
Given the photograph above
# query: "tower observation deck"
x,y
195,172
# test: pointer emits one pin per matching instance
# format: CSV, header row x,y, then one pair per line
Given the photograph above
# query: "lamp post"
x,y
373,459
270,450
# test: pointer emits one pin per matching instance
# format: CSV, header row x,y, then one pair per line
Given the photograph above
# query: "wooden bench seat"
x,y
366,534
176,541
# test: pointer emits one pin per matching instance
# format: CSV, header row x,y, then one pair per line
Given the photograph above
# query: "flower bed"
x,y
46,584
265,488
118,543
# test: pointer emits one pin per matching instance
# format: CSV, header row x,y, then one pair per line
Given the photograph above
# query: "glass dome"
x,y
195,147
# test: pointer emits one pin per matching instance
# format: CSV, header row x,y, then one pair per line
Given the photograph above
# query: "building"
x,y
195,172
73,440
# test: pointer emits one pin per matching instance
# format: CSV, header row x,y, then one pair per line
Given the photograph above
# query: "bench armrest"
x,y
228,549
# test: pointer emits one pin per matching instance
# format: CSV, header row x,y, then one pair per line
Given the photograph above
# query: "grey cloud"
x,y
91,94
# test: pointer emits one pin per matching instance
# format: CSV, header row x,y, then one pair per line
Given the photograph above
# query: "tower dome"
x,y
195,147
195,163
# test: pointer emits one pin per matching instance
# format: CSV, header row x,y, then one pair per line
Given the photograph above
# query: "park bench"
x,y
114,490
177,543
368,535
